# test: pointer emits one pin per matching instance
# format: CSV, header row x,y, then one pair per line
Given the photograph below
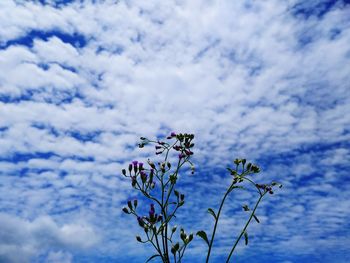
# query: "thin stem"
x,y
156,248
183,252
216,222
160,251
164,235
245,227
165,211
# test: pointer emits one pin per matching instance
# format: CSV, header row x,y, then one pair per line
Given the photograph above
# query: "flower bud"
x,y
182,197
141,166
130,168
138,238
140,221
152,210
173,178
177,148
174,229
125,210
130,205
151,173
183,235
255,169
245,208
135,203
151,164
249,165
143,177
175,248
124,172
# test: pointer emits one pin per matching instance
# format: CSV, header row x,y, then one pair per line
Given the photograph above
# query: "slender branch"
x,y
183,252
161,254
216,222
245,227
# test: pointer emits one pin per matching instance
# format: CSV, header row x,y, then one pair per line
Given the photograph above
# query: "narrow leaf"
x,y
203,235
256,219
152,257
211,211
245,208
246,237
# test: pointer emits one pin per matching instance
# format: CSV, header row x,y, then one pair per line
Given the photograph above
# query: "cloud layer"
x,y
80,82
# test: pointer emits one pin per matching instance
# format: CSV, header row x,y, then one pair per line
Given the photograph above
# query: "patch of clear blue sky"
x,y
307,9
75,39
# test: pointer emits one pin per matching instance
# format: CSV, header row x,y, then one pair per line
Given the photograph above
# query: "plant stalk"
x,y
245,228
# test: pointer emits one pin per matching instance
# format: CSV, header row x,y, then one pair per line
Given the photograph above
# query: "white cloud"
x,y
20,239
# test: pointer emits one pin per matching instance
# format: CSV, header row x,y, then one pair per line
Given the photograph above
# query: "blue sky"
x,y
81,81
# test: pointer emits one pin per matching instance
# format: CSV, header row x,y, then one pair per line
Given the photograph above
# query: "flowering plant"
x,y
157,182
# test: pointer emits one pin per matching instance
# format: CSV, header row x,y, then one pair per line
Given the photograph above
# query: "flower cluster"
x,y
147,222
166,199
141,177
145,177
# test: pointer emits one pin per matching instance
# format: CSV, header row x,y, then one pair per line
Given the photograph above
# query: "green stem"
x,y
245,228
216,222
160,251
183,252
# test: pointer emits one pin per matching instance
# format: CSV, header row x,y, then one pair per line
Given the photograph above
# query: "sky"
x,y
81,81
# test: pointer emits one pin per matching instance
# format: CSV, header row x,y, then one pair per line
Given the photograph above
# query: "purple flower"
x,y
140,166
134,163
173,134
152,210
143,176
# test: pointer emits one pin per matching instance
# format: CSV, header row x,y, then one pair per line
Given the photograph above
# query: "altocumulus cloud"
x,y
81,81
22,239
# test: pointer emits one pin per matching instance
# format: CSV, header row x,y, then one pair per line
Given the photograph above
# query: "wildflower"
x,y
152,210
143,176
